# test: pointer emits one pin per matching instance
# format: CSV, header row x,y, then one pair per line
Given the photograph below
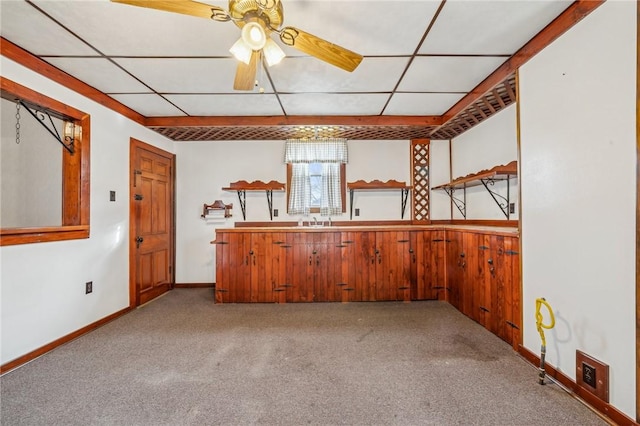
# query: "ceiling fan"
x,y
257,19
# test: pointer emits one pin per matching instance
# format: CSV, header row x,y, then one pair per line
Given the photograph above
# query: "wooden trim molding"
x,y
478,222
26,59
194,285
5,368
604,409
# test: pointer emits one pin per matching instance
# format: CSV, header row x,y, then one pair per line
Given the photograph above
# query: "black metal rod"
x,y
270,202
351,204
242,197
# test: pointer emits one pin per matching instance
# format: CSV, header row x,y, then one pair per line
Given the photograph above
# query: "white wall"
x,y
491,143
578,106
206,167
42,285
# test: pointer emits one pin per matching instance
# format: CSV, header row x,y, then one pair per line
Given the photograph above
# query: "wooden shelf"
x,y
242,186
378,185
485,178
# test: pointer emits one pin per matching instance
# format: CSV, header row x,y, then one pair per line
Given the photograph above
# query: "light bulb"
x,y
253,35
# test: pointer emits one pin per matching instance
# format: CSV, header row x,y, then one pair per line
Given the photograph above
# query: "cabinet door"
x,y
223,260
236,272
359,275
471,285
265,266
512,286
300,266
392,265
481,280
326,258
436,261
281,280
349,279
456,263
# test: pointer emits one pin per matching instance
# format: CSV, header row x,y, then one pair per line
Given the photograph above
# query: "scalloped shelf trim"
x,y
377,184
256,185
504,169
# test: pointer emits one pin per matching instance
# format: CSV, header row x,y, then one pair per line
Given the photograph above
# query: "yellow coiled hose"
x,y
541,327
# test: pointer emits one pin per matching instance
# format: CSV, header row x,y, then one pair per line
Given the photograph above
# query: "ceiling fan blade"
x,y
246,74
321,49
185,7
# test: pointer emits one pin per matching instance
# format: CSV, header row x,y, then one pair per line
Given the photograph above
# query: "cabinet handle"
x,y
317,260
310,260
373,260
483,309
490,261
414,258
246,260
379,259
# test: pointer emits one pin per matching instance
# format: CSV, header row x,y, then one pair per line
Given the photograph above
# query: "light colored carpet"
x,y
181,360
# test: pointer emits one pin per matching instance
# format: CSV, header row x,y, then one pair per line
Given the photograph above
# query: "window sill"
x,y
15,236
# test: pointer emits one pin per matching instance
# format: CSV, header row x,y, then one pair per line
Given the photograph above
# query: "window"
x,y
316,176
68,172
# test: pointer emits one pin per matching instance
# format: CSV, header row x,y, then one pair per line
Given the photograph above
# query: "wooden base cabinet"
x,y
483,280
477,272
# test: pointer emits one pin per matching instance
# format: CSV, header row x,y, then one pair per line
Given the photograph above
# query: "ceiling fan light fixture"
x,y
273,54
241,51
254,35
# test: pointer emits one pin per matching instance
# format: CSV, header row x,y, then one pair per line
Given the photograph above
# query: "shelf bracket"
x,y
405,197
41,119
460,204
502,202
270,202
350,204
242,198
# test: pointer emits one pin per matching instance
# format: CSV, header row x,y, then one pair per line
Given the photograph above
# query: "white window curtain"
x,y
331,153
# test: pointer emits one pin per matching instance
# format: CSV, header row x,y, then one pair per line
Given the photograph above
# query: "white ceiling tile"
x,y
447,73
99,73
185,75
124,30
489,27
366,27
148,105
25,26
333,104
311,75
228,105
421,103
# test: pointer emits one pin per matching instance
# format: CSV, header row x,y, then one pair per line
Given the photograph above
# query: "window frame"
x,y
75,173
343,187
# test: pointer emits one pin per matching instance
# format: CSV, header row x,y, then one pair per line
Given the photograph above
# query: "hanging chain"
x,y
17,123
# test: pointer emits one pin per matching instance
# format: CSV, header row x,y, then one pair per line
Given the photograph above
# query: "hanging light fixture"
x,y
254,37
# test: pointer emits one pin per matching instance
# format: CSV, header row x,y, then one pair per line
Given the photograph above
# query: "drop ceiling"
x,y
420,59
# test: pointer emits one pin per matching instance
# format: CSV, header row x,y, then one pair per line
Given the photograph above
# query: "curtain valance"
x,y
316,151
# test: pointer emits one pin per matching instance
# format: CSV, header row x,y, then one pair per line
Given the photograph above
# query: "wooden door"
x,y
483,282
151,222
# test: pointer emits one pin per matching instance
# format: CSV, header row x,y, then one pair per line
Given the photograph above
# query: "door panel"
x,y
152,240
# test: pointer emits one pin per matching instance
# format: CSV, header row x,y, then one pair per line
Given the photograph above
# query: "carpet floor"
x,y
182,360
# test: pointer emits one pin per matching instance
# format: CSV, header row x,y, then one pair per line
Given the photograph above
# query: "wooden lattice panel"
x,y
351,132
420,178
495,100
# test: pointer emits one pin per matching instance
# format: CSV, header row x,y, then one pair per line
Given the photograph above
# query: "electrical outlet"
x,y
275,212
88,287
512,208
592,375
112,195
357,212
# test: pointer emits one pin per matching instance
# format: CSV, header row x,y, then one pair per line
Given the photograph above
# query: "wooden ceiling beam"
x,y
291,120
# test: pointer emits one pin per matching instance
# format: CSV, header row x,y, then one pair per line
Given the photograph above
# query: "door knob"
x,y
139,240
